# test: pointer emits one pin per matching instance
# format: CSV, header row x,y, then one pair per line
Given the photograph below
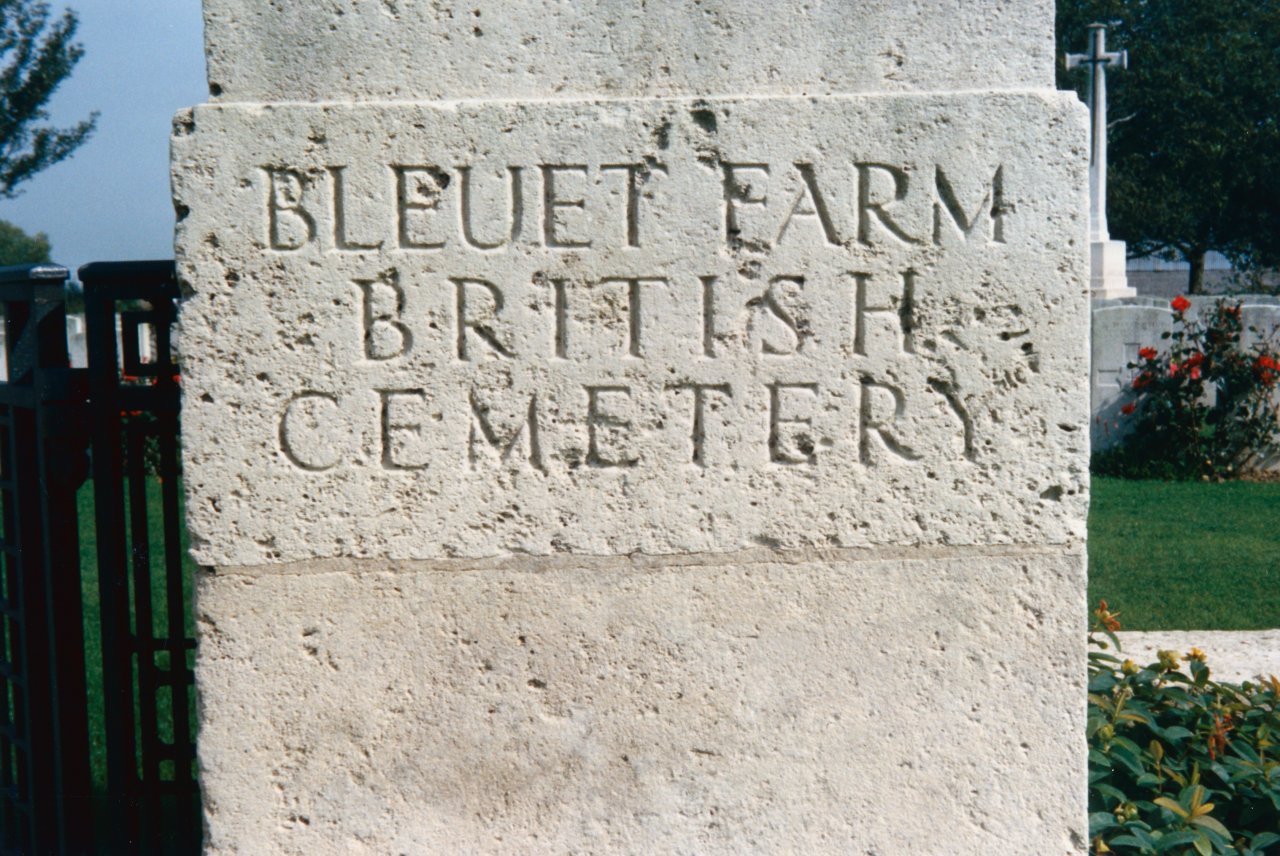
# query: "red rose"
x,y
1147,353
1128,408
1195,359
1268,369
1142,380
1180,304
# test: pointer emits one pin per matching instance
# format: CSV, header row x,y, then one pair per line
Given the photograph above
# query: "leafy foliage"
x,y
1179,764
1206,407
19,248
1194,145
36,55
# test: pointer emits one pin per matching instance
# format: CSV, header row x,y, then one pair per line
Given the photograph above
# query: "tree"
x,y
36,55
1194,145
19,248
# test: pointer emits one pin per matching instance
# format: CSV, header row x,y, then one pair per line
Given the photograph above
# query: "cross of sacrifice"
x,y
1098,61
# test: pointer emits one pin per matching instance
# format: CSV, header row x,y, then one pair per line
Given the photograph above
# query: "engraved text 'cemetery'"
x,y
421,304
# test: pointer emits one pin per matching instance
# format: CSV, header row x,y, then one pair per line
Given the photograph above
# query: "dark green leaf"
x,y
1173,839
1130,841
1102,682
1111,791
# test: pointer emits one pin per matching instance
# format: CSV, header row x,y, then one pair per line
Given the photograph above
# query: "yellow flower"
x,y
1169,660
1106,618
1196,654
1129,667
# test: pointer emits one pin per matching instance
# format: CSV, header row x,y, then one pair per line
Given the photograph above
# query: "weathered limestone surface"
x,y
724,366
429,50
636,433
808,703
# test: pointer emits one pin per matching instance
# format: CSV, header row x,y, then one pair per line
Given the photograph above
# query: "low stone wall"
x,y
1233,655
1122,326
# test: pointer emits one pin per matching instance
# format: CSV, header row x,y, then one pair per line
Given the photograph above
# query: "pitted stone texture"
x,y
823,705
886,324
341,50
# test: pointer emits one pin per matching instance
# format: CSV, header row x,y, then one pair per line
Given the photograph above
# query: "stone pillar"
x,y
636,428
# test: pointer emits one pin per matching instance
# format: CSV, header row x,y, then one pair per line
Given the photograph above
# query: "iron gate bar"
x,y
45,798
152,781
124,408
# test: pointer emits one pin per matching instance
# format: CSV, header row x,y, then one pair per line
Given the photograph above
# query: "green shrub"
x,y
1179,764
1203,408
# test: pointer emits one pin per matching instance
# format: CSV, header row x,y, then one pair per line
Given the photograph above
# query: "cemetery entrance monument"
x,y
636,427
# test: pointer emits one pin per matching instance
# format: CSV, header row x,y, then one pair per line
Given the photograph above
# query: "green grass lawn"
x,y
1186,555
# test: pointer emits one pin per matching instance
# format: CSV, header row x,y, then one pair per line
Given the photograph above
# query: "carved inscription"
x,y
650,354
413,208
772,323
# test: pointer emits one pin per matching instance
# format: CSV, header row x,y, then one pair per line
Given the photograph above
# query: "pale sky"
x,y
144,60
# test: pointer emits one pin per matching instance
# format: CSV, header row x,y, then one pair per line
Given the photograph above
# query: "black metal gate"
x,y
97,729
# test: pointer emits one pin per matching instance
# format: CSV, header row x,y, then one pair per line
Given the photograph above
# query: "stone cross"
x,y
1098,60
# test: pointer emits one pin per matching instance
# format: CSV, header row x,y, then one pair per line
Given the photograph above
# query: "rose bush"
x,y
1205,407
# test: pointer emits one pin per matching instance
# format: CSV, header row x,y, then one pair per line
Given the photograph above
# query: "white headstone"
x,y
636,429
